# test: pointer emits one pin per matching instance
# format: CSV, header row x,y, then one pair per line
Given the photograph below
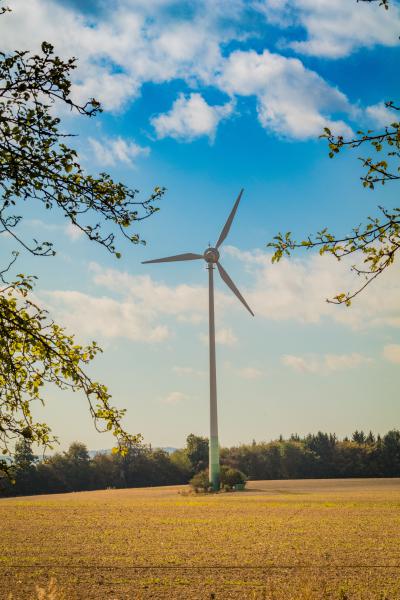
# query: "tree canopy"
x,y
38,166
319,455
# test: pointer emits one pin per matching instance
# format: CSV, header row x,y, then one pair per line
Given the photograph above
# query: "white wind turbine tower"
x,y
211,256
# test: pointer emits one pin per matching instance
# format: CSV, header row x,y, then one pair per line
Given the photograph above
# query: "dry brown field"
x,y
281,540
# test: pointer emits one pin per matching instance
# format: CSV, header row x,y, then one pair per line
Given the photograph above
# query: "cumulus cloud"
x,y
328,363
391,352
103,317
334,28
72,34
73,232
300,364
296,289
187,371
174,398
191,117
110,151
121,47
249,373
224,337
157,297
380,115
292,100
137,306
131,43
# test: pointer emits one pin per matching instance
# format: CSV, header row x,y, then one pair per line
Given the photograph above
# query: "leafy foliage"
x,y
37,166
197,452
319,455
200,482
34,351
378,240
231,477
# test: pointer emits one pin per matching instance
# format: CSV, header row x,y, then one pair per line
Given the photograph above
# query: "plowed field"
x,y
281,540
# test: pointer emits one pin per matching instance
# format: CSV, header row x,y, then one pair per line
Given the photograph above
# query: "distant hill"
x,y
168,449
93,453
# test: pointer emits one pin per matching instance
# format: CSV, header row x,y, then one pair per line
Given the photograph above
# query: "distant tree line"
x,y
315,456
319,456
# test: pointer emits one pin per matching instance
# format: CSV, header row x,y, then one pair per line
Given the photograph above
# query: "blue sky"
x,y
205,98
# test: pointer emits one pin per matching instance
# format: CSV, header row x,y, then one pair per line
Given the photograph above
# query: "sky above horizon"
x,y
206,98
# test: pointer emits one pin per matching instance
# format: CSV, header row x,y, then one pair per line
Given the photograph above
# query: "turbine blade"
x,y
186,256
225,277
228,224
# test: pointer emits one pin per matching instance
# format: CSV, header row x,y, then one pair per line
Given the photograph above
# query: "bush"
x,y
201,482
231,477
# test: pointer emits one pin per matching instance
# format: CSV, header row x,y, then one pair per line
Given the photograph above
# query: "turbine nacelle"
x,y
211,255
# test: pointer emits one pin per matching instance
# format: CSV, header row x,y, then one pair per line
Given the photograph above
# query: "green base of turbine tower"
x,y
214,471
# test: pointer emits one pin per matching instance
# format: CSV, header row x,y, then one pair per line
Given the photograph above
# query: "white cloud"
x,y
334,28
339,362
250,373
380,115
174,398
137,306
139,311
296,289
292,100
103,317
73,232
131,43
292,290
157,297
224,337
300,364
392,353
328,363
39,224
191,117
193,318
183,371
110,151
121,47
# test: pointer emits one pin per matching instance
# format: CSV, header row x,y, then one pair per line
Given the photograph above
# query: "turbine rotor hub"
x,y
211,255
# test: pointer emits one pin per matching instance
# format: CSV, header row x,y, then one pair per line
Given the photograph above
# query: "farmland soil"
x,y
278,540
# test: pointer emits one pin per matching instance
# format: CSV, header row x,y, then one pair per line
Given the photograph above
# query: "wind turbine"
x,y
211,256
